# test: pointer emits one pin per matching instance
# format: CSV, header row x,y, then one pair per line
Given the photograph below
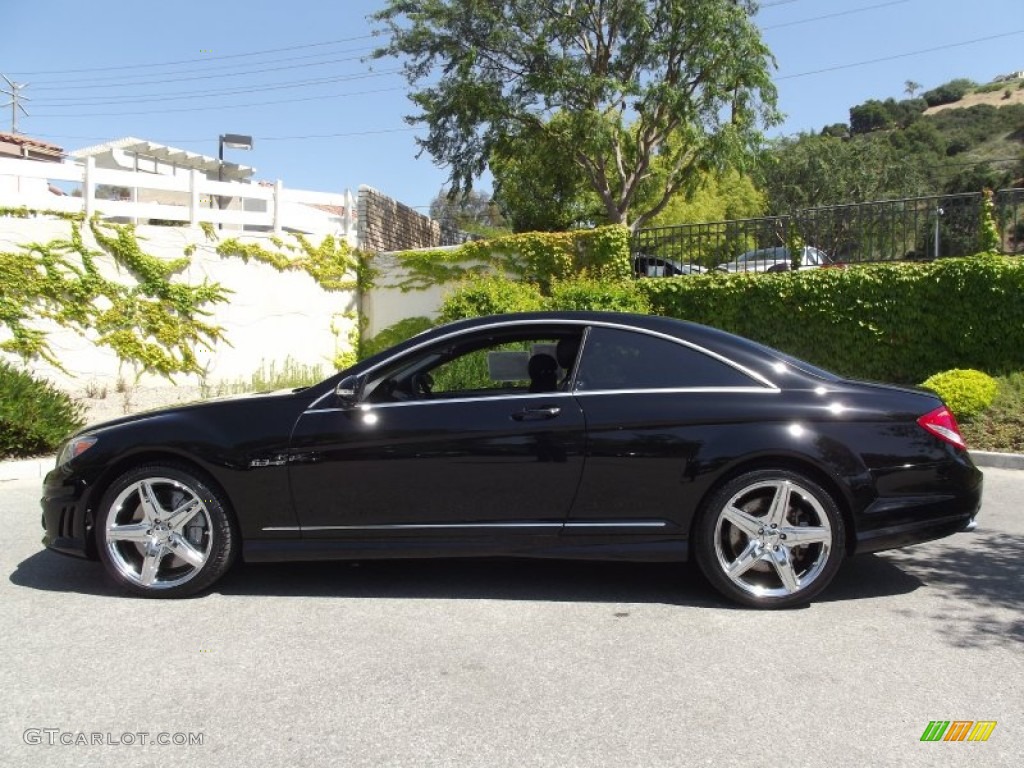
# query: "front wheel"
x,y
770,539
163,531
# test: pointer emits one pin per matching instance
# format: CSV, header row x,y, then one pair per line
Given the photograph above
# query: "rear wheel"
x,y
163,531
770,539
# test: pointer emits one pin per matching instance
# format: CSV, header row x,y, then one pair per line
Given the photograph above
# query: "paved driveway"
x,y
514,663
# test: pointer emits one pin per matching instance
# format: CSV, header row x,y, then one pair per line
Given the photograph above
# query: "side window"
x,y
501,367
618,359
488,365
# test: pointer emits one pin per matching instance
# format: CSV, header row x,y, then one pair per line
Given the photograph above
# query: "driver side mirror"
x,y
349,391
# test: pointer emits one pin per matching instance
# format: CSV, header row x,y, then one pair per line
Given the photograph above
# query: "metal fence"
x,y
910,229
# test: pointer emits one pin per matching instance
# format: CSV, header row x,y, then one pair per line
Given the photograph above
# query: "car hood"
x,y
197,405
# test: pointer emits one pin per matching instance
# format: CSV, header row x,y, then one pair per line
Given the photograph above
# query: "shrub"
x,y
35,416
1001,427
490,296
888,322
966,392
620,296
950,92
394,334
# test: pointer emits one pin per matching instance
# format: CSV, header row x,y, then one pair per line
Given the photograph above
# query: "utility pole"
x,y
16,99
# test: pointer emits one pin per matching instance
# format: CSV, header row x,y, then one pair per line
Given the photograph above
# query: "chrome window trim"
x,y
371,407
457,526
563,322
636,524
680,391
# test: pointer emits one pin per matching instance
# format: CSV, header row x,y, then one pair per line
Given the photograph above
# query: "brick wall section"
x,y
387,225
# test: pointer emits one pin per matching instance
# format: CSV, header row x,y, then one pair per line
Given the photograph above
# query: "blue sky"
x,y
100,70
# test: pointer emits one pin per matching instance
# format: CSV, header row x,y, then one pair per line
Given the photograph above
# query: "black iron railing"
x,y
919,228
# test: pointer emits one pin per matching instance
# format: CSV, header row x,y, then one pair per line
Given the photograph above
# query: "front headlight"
x,y
74,448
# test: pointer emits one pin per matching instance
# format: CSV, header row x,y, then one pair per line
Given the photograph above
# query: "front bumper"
x,y
67,521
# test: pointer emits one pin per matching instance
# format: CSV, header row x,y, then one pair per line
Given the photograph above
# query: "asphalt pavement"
x,y
514,663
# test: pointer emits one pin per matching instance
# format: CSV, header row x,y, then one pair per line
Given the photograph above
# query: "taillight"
x,y
941,423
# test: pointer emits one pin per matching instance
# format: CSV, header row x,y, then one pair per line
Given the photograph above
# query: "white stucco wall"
x,y
385,304
269,316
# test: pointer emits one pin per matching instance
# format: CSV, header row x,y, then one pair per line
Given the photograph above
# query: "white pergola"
x,y
127,153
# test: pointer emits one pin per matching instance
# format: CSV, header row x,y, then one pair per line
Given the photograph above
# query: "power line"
x,y
178,95
192,61
375,132
834,15
901,55
230,106
122,84
206,139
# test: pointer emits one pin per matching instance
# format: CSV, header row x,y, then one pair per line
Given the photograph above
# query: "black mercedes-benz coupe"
x,y
565,434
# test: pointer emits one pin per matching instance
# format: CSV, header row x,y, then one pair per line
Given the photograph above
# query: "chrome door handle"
x,y
537,414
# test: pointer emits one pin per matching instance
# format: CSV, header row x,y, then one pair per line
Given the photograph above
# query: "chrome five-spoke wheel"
x,y
164,532
770,539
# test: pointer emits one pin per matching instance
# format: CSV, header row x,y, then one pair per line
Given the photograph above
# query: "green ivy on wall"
x,y
333,264
154,324
536,257
157,323
989,240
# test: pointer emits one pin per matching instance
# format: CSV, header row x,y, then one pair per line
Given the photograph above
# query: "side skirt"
x,y
634,549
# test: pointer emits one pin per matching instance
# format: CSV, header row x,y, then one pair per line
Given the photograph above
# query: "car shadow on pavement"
x,y
494,579
979,577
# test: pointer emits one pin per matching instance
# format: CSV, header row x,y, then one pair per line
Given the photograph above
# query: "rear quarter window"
x,y
621,359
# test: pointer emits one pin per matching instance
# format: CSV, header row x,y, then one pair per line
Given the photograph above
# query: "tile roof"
x,y
25,141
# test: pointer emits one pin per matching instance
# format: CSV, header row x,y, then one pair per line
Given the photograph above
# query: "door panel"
x,y
507,462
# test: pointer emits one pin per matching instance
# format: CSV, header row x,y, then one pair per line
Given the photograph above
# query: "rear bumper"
x,y
922,503
895,536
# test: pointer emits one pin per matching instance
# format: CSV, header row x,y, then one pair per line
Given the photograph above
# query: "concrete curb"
x,y
998,460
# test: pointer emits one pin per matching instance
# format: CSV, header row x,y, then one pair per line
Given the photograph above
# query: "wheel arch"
x,y
130,462
792,463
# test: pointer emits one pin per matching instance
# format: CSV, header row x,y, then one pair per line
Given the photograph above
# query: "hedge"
x,y
898,322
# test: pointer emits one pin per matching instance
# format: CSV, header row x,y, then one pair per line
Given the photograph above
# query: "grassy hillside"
x,y
997,97
957,137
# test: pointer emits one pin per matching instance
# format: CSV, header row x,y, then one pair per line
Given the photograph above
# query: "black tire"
x,y
164,530
770,539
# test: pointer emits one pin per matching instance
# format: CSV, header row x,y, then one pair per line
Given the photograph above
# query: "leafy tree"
x,y
950,92
910,88
872,115
837,130
875,115
811,171
724,196
475,212
538,190
626,75
974,177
